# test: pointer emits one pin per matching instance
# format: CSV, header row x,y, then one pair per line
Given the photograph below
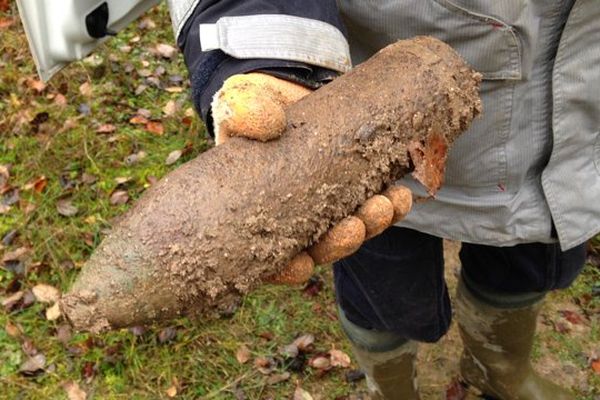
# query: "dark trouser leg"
x,y
497,304
392,294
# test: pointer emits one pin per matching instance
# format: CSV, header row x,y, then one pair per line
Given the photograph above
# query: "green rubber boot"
x,y
387,360
497,346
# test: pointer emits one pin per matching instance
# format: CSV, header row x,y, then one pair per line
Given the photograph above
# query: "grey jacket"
x,y
528,170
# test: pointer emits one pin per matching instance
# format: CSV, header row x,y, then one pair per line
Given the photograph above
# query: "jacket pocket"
x,y
490,44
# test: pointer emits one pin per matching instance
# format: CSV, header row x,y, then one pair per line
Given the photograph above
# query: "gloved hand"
x,y
253,105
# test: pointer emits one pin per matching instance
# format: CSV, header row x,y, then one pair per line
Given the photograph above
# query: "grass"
x,y
50,137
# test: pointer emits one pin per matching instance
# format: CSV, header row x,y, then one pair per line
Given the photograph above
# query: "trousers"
x,y
395,281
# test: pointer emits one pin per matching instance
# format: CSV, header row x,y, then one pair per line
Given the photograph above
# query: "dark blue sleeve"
x,y
208,70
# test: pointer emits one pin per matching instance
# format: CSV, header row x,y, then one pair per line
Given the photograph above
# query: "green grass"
x,y
200,361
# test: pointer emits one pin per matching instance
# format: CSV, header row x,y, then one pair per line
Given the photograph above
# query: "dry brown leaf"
x,y
119,197
278,378
38,184
36,85
165,50
6,22
13,330
155,127
301,394
60,100
106,128
173,157
10,301
85,89
33,364
596,366
172,391
339,358
46,293
320,362
66,208
174,89
243,354
304,342
147,23
170,108
138,120
4,209
53,313
20,254
74,392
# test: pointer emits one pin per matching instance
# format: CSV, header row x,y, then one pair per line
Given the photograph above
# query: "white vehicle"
x,y
60,32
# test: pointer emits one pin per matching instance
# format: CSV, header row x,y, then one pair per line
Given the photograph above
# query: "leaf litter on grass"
x,y
136,96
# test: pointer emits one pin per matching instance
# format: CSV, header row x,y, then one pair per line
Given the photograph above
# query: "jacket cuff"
x,y
277,36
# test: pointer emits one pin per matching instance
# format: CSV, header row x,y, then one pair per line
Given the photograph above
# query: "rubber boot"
x,y
497,346
387,360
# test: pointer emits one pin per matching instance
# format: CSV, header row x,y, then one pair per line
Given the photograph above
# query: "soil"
x,y
207,233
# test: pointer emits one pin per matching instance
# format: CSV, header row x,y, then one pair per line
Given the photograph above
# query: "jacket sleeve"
x,y
298,40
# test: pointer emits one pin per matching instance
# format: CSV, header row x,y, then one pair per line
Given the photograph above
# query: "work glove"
x,y
253,106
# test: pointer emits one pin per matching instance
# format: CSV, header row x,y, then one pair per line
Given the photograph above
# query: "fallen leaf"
x,y
88,371
33,365
38,184
66,208
304,342
4,209
264,365
119,197
88,179
172,391
46,293
291,351
278,378
11,301
4,5
339,358
173,157
165,50
64,333
301,394
85,89
174,89
74,392
4,175
320,362
147,23
6,22
134,158
243,354
106,128
121,180
11,197
170,108
167,335
137,330
36,85
20,254
53,313
138,120
13,330
29,348
155,127
596,366
60,100
572,316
